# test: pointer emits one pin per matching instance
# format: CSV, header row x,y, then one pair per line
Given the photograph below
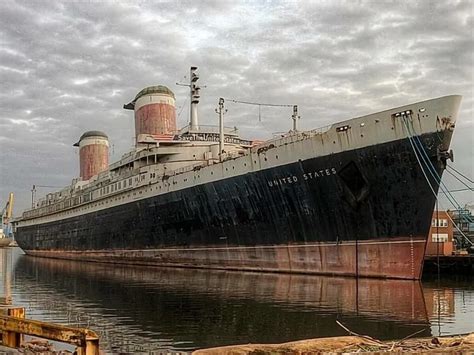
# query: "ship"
x,y
354,198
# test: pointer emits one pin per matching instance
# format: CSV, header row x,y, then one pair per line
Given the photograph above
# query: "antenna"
x,y
33,196
221,111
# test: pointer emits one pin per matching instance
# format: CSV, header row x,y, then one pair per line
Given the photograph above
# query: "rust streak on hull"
x,y
400,258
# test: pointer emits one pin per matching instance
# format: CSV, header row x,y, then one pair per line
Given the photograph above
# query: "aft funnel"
x,y
93,154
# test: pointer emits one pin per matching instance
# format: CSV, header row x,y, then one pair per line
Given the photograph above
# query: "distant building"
x,y
440,238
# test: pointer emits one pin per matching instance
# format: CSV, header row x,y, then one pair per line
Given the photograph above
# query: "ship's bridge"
x,y
186,146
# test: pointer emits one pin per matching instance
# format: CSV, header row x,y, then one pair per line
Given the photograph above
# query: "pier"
x,y
14,327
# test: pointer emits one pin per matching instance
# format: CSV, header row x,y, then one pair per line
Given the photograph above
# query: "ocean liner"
x,y
354,198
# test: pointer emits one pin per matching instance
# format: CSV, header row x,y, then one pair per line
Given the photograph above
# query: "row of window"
x,y
123,184
115,187
439,223
439,238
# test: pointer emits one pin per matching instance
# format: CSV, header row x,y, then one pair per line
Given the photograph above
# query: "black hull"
x,y
374,193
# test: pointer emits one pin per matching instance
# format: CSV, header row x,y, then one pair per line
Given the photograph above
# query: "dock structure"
x,y
442,252
459,264
14,326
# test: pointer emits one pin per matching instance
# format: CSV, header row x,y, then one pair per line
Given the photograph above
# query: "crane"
x,y
5,216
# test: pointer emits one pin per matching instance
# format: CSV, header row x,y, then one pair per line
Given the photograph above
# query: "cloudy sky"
x,y
69,66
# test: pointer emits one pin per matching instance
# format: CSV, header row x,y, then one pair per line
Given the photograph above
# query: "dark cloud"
x,y
67,67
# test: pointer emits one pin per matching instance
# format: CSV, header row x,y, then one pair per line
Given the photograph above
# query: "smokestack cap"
x,y
91,134
158,89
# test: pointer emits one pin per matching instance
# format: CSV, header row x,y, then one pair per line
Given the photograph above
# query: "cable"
x,y
259,106
437,178
429,183
458,179
419,163
471,181
456,190
182,108
257,103
434,174
48,186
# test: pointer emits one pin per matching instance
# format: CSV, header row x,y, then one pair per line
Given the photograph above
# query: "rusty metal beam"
x,y
15,326
13,339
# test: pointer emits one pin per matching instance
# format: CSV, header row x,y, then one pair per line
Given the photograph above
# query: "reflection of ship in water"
x,y
187,309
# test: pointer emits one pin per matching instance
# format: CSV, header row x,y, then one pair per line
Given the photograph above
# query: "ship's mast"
x,y
194,93
221,111
295,118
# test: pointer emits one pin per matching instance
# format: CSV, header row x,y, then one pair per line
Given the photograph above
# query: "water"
x,y
148,309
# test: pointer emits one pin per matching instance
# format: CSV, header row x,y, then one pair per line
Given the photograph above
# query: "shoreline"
x,y
352,344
